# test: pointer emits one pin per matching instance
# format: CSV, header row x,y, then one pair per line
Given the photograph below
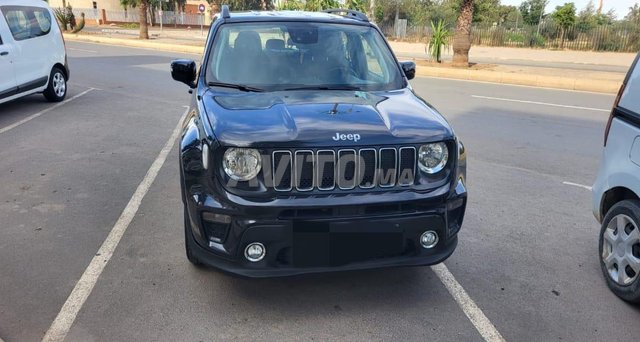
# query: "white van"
x,y
616,192
32,52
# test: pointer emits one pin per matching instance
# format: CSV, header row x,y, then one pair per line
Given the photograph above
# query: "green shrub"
x,y
439,40
535,40
131,25
514,37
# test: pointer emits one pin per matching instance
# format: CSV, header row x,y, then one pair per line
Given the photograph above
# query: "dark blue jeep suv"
x,y
306,150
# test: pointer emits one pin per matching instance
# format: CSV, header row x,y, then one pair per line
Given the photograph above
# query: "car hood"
x,y
322,118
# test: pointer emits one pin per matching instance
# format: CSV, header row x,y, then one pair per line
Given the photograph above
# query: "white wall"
x,y
109,5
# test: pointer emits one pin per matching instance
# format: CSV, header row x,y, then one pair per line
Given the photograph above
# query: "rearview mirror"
x,y
184,70
409,69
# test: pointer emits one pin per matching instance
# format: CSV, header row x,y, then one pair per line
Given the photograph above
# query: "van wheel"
x,y
57,89
189,241
620,250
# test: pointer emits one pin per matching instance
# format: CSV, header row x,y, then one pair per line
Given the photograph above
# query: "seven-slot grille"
x,y
345,169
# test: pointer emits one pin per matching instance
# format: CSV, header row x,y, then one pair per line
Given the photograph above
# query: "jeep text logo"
x,y
352,137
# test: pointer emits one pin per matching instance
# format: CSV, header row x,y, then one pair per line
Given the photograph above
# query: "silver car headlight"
x,y
432,158
242,164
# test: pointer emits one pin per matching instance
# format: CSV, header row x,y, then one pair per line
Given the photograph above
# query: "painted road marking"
x,y
578,185
31,117
484,326
541,103
69,311
82,50
518,85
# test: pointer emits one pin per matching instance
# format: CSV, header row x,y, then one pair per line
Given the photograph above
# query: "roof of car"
x,y
254,16
36,3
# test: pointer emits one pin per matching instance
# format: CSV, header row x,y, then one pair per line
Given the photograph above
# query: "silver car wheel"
x,y
59,84
620,237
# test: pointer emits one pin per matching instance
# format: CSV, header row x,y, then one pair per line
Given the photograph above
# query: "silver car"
x,y
616,192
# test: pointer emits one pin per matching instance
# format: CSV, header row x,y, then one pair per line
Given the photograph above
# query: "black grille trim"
x,y
362,168
299,170
381,170
355,170
276,182
320,173
403,167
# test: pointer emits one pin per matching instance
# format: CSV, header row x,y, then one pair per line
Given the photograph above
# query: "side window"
x,y
631,96
27,22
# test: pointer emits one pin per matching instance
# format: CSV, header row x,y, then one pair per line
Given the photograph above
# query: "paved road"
x,y
527,253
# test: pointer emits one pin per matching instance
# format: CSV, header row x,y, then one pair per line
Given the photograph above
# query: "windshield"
x,y
288,56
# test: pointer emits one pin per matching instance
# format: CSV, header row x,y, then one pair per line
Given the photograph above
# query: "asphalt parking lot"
x,y
527,256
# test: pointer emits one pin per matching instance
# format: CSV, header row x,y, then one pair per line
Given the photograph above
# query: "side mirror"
x,y
409,69
184,70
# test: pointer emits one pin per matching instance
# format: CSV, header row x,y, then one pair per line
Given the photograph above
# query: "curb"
x,y
135,43
556,82
581,84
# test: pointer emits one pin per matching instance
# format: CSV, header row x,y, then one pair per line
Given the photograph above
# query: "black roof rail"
x,y
224,11
348,13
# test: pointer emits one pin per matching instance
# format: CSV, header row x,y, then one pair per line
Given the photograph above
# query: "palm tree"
x,y
144,25
143,7
462,39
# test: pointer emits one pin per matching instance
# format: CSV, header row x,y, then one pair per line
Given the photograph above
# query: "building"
x,y
191,6
109,5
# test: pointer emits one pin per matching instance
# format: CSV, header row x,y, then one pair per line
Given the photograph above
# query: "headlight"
x,y
242,164
433,157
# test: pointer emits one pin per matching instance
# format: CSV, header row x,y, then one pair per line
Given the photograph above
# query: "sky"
x,y
620,6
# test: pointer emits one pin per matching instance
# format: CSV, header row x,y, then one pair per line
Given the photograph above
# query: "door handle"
x,y
4,53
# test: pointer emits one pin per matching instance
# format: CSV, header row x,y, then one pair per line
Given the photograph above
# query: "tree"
x,y
587,17
143,7
565,17
532,11
634,14
507,13
462,40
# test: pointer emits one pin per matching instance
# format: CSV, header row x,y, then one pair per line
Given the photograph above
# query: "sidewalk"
x,y
579,70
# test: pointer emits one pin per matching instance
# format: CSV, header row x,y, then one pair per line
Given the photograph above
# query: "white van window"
x,y
27,22
631,96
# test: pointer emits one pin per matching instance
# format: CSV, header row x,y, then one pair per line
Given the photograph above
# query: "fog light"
x,y
255,252
429,239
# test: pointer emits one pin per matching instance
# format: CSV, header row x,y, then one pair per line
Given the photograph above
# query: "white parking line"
x,y
578,185
486,329
31,117
69,311
540,103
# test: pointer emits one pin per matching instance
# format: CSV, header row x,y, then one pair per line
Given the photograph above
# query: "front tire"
x,y
189,242
620,250
57,89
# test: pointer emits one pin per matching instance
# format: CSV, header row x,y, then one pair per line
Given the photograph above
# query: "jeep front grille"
x,y
344,169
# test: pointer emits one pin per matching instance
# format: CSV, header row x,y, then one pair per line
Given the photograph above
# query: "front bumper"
x,y
330,235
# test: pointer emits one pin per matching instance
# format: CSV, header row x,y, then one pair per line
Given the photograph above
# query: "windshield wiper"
x,y
336,87
235,86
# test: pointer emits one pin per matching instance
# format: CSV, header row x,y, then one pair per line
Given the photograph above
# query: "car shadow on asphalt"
x,y
379,288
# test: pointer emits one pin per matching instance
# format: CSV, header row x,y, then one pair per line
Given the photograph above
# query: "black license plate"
x,y
321,244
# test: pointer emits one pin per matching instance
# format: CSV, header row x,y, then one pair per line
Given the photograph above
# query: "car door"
x,y
8,80
29,27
